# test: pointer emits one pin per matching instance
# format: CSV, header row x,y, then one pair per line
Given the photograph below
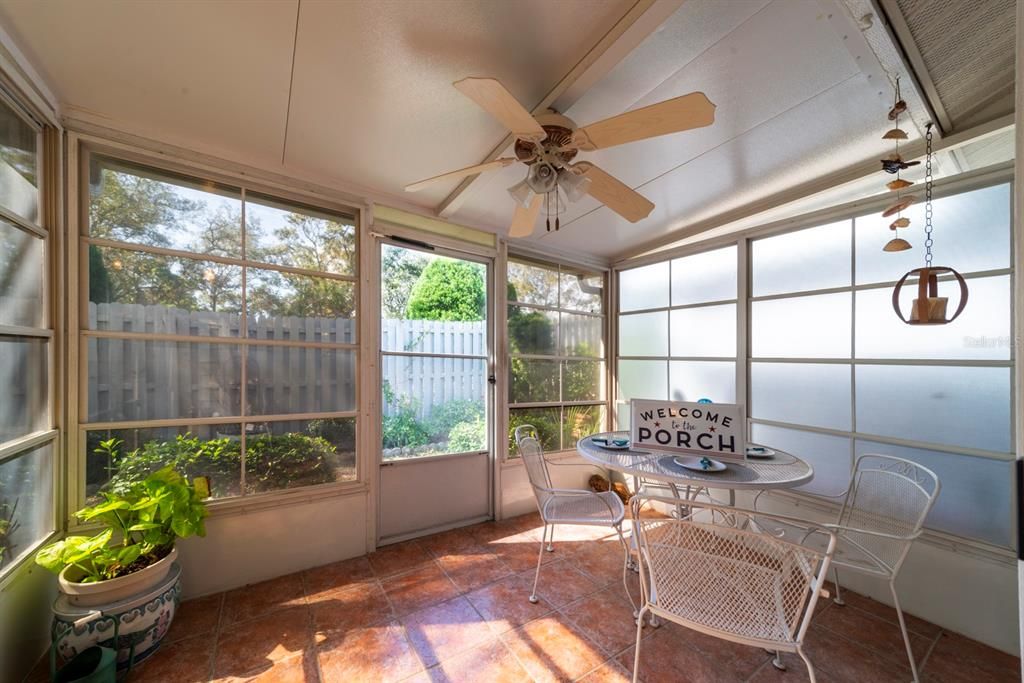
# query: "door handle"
x,y
491,379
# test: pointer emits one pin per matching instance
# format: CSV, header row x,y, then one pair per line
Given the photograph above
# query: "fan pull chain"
x,y
928,197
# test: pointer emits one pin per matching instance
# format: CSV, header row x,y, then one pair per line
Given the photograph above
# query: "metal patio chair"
x,y
883,512
567,506
714,574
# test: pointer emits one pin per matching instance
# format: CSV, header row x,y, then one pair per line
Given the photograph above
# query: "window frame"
x,y
557,265
82,147
999,175
47,229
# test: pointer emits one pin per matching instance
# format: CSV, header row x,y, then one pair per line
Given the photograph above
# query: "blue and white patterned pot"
x,y
143,620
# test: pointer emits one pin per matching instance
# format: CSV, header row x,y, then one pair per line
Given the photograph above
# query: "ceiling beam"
x,y
639,22
824,183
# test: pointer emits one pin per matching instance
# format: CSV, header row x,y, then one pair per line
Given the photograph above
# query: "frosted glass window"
x,y
643,334
708,276
154,380
828,455
972,232
815,326
26,502
704,331
815,394
581,335
645,287
977,493
694,380
959,406
24,407
643,379
982,332
815,258
21,277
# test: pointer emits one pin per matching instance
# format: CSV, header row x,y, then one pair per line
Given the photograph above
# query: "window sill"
x,y
267,501
25,565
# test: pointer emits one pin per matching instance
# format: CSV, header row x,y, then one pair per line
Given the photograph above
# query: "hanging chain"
x,y
928,242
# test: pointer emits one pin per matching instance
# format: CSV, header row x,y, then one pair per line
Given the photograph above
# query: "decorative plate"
x,y
759,452
699,464
612,444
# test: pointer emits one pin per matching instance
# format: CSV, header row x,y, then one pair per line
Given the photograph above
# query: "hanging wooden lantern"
x,y
929,308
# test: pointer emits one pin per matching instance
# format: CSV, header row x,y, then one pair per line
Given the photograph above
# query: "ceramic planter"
x,y
114,590
143,618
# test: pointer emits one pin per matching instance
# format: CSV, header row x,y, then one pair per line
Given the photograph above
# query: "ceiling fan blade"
x,y
499,103
462,173
615,194
671,116
525,220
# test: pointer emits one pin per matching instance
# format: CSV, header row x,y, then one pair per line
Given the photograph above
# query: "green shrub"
x,y
448,290
403,429
446,417
273,461
468,436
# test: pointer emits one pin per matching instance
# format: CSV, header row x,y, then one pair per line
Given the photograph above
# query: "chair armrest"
x,y
578,493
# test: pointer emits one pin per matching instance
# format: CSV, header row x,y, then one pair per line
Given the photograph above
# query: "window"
x,y
681,341
834,373
556,343
28,439
219,334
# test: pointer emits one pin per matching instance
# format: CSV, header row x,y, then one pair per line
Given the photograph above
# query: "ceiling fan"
x,y
548,144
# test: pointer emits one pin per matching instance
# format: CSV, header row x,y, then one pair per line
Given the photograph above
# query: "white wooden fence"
x,y
132,379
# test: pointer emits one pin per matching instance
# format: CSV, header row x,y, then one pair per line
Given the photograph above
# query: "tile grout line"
x,y
211,669
315,650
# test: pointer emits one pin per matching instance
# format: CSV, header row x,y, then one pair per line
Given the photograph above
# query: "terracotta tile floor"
x,y
453,607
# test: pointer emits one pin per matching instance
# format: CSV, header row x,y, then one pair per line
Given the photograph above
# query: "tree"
x,y
448,290
399,270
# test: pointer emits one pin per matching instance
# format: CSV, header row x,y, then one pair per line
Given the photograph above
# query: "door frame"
x,y
424,242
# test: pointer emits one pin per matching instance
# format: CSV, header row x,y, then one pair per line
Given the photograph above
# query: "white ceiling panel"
x,y
764,62
198,71
801,144
373,102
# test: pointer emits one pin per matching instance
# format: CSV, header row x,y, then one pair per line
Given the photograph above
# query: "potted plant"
x,y
127,570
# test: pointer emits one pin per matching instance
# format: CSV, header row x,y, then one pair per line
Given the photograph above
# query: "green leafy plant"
x,y
448,290
468,436
141,526
447,416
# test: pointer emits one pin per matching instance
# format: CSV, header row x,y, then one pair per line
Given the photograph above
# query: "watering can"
x,y
95,664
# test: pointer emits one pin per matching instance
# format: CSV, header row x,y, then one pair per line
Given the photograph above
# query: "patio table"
x,y
781,471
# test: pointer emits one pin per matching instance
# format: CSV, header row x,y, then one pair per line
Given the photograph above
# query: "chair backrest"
x,y
892,496
717,574
532,455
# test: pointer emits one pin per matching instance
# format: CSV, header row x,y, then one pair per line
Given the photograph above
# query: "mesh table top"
x,y
781,471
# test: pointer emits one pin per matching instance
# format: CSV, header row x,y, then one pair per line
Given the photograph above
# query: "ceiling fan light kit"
x,y
548,144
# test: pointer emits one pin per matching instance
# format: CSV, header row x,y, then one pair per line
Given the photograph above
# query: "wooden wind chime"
x,y
928,308
895,164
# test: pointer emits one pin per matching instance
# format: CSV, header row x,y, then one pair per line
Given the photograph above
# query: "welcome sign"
x,y
705,428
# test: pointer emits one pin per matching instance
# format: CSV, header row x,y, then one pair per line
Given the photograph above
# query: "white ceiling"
x,y
368,100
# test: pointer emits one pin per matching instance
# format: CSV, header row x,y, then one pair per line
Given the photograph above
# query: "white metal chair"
x,y
883,511
723,578
567,506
